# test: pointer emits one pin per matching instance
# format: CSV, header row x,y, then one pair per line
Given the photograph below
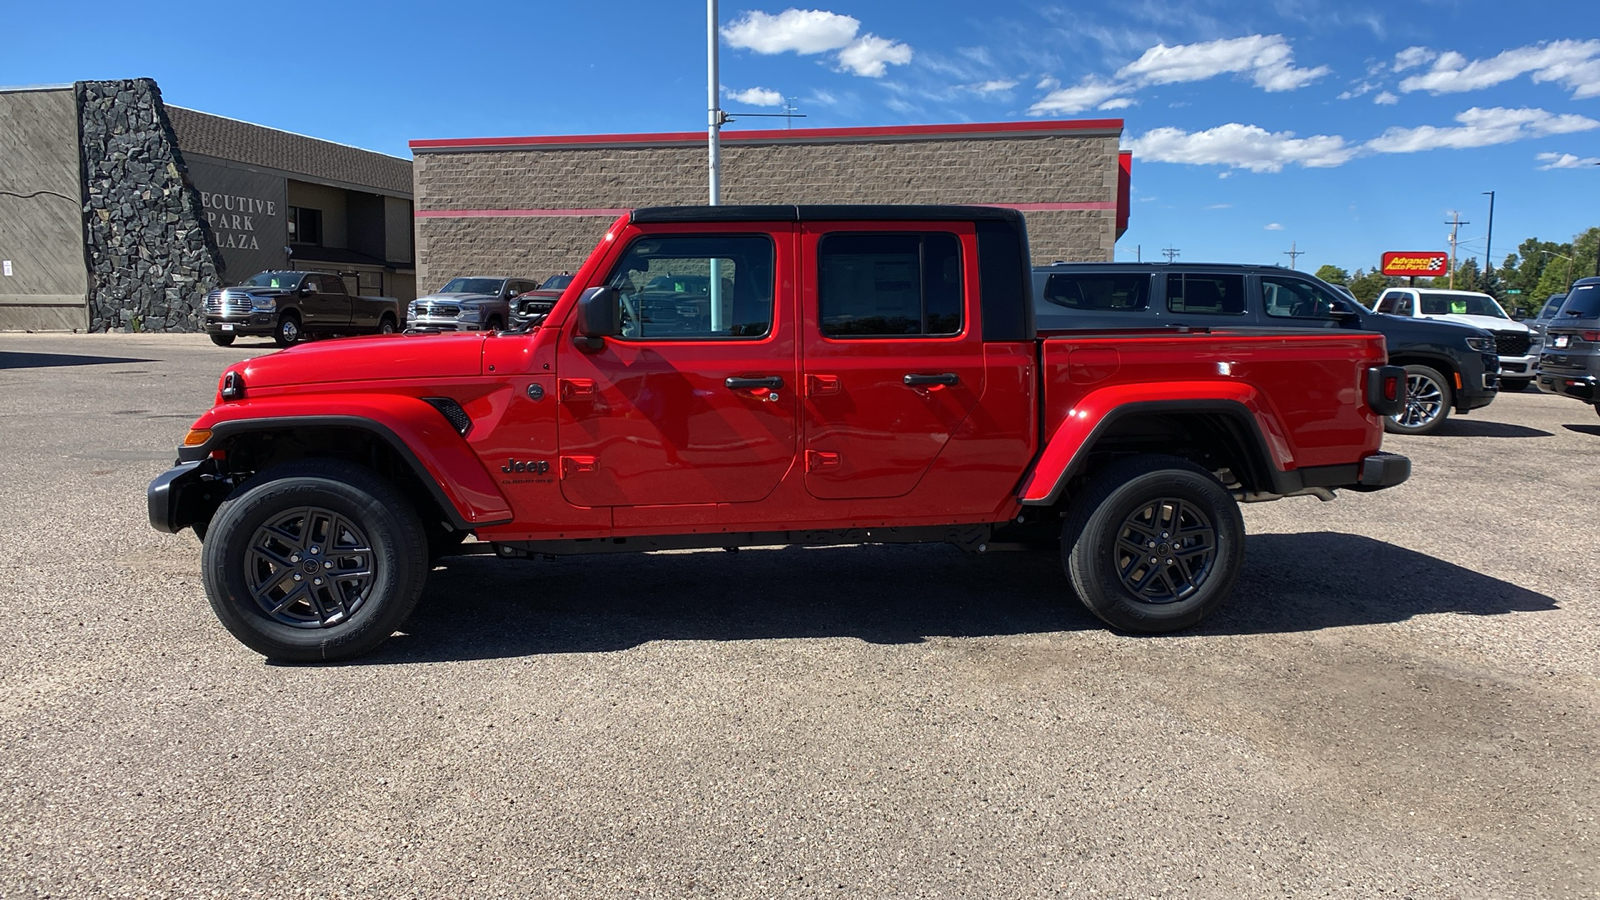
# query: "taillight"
x,y
1590,336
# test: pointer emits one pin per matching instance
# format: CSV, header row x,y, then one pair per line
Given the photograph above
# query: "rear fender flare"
x,y
418,434
1067,451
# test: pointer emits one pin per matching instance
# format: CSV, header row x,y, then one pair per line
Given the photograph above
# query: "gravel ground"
x,y
1400,700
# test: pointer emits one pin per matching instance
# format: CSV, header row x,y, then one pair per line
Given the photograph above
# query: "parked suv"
x,y
1570,362
468,304
1513,340
1448,366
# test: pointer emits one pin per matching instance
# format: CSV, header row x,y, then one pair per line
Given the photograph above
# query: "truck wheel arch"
x,y
473,507
1222,424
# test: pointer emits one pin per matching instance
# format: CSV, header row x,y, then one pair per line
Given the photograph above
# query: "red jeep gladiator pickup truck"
x,y
735,376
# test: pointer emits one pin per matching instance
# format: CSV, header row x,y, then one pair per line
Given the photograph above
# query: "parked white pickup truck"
x,y
1519,359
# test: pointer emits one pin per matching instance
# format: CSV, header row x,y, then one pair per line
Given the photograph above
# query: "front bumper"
x,y
441,323
185,494
1519,366
254,324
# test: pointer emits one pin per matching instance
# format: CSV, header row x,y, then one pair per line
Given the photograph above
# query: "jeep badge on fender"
x,y
532,466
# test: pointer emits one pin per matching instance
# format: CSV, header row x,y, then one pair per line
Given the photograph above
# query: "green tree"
x,y
1368,285
1333,275
1468,278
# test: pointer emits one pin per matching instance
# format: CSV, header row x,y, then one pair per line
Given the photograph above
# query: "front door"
x,y
695,401
893,358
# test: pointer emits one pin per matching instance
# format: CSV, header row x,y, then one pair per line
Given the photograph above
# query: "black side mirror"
x,y
599,317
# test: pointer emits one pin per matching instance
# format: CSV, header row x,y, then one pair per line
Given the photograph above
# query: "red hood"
x,y
368,359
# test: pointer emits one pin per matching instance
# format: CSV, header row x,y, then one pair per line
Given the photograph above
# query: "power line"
x,y
1455,224
1171,253
1294,253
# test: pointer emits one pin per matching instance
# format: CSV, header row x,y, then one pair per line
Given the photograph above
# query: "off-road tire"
x,y
1123,508
288,332
316,518
222,340
1428,400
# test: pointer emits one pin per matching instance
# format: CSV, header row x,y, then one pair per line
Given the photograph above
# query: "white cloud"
x,y
1118,103
757,96
804,31
1085,94
869,55
1386,99
1565,161
1360,90
1242,147
1481,128
1048,83
990,87
1272,226
824,98
1574,64
1411,57
1220,206
1266,58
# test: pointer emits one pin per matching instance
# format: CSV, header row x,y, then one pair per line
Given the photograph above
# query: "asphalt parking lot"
x,y
1400,700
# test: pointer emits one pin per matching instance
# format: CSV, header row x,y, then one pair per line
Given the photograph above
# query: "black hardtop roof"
x,y
834,213
1168,266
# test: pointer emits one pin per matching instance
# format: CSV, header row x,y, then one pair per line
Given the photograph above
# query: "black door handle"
x,y
771,382
948,378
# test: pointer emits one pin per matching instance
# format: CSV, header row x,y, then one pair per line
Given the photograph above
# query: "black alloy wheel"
x,y
316,559
1153,544
1428,399
288,332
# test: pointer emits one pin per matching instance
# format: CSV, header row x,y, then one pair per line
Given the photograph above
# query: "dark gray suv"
x,y
1570,360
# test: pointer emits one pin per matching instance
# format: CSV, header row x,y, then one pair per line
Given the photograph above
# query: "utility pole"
x,y
1455,224
1171,253
1488,242
1294,253
713,97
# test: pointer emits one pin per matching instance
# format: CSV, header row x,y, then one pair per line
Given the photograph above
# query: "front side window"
x,y
696,287
1290,298
1205,294
872,284
1096,291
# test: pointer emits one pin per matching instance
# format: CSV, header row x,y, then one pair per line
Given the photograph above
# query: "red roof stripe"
x,y
782,136
613,213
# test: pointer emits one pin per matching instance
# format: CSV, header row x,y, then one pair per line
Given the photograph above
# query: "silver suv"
x,y
468,304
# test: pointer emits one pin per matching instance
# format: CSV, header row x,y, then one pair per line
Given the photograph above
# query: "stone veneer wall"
x,y
1052,168
151,258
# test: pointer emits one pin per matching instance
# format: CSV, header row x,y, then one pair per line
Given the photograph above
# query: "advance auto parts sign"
x,y
1421,264
247,212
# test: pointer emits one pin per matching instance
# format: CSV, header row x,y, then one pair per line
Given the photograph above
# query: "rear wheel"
x,y
1153,545
288,331
222,340
1428,398
314,560
386,325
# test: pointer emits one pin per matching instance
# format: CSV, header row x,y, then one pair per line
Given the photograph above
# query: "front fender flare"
x,y
439,456
1067,451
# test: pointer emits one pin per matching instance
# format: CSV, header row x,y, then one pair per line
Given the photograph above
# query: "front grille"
x,y
227,303
435,310
1511,343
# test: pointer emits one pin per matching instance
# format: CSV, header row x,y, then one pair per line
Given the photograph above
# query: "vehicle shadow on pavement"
x,y
482,608
1469,428
1584,429
1310,581
14,360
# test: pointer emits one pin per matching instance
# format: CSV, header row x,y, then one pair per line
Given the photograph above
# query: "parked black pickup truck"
x,y
291,305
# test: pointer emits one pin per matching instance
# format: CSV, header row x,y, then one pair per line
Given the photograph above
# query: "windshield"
x,y
287,281
556,282
1582,303
472,286
1439,303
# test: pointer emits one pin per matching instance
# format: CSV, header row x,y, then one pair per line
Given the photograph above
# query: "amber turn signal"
x,y
196,437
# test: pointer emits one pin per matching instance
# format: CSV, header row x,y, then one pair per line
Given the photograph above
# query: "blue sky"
x,y
1344,128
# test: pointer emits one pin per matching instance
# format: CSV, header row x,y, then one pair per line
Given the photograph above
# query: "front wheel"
x,y
314,560
1428,399
1153,545
222,340
288,331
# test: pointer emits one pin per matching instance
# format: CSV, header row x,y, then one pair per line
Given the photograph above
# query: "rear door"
x,y
695,402
893,356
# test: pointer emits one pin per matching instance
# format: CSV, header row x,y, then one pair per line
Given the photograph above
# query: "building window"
x,y
305,225
371,283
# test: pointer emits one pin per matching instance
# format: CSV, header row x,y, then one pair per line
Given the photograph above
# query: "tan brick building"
x,y
532,206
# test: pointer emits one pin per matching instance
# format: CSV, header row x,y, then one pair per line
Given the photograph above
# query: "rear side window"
x,y
1552,306
889,285
1207,295
1583,302
1291,298
1099,291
